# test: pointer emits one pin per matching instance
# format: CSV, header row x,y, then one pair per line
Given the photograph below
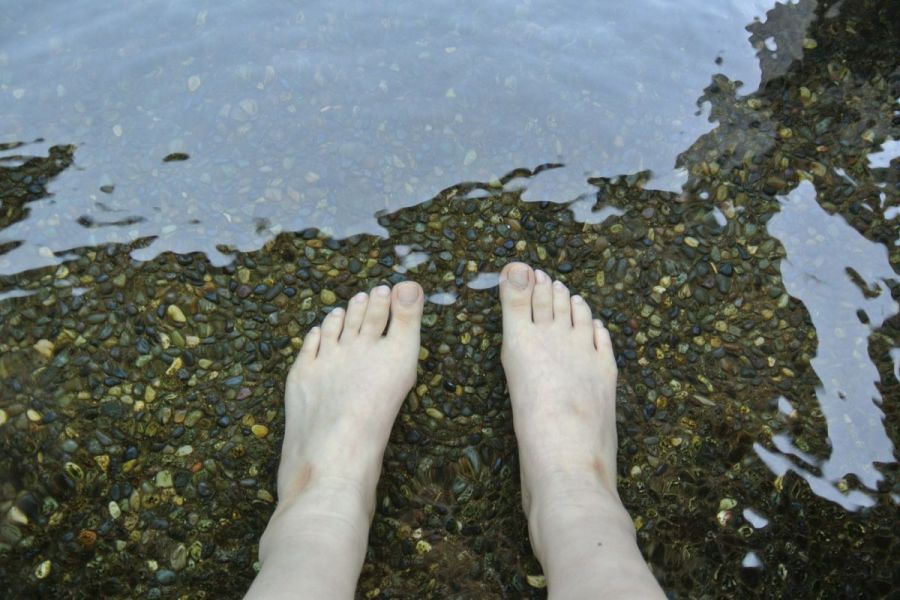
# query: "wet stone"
x,y
166,577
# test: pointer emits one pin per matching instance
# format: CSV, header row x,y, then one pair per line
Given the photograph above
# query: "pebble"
x,y
260,430
166,577
44,348
164,479
176,314
178,558
43,569
327,297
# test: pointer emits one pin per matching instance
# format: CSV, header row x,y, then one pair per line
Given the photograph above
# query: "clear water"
x,y
215,127
321,115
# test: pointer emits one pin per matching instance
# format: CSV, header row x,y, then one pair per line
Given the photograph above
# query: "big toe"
x,y
516,288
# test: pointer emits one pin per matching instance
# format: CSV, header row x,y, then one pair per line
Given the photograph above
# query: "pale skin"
x,y
345,390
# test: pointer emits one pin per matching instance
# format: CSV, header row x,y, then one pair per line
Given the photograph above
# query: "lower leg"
x,y
342,396
562,376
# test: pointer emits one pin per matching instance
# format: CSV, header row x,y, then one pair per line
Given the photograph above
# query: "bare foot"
x,y
346,387
561,375
342,396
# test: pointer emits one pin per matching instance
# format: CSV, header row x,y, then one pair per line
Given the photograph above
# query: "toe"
x,y
407,302
331,329
377,312
562,305
601,338
516,288
542,299
310,347
356,312
581,320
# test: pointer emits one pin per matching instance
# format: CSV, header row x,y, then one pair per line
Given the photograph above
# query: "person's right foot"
x,y
561,375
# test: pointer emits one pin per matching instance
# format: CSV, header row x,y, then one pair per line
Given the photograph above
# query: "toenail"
x,y
577,299
407,293
518,276
541,277
382,290
559,285
360,297
337,312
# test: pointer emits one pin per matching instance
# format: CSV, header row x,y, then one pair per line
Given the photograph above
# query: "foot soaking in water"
x,y
345,390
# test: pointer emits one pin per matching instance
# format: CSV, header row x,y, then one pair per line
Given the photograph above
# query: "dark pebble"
x,y
166,577
234,381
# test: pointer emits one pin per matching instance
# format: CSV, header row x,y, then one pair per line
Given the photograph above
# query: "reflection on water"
x,y
321,116
841,279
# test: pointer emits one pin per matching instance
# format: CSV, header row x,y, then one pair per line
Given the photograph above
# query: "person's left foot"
x,y
345,389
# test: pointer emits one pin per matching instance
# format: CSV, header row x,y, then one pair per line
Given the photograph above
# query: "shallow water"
x,y
740,240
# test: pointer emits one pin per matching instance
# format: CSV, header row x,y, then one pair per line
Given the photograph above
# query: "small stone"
x,y
178,557
114,511
423,547
15,515
691,242
3,416
43,569
166,577
260,430
44,348
177,363
727,503
194,83
434,413
164,479
33,415
185,450
327,297
175,314
536,581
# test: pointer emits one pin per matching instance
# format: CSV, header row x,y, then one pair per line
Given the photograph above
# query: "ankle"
x,y
326,508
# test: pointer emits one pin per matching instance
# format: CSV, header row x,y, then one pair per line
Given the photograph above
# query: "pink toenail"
x,y
577,299
360,297
382,290
518,276
559,285
541,277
